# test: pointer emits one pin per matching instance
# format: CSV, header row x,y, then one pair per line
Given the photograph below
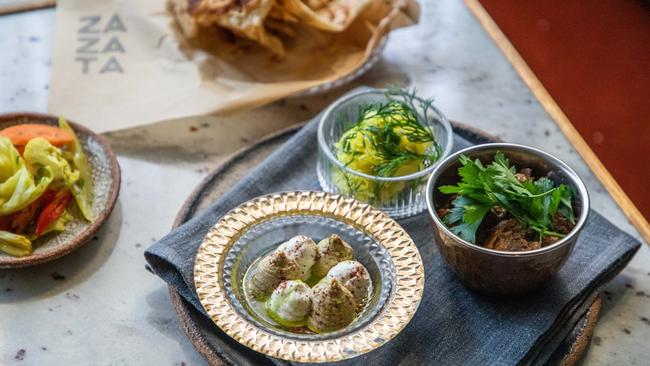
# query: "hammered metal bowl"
x,y
254,228
106,178
496,272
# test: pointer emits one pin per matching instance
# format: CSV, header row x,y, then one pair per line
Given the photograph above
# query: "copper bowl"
x,y
500,272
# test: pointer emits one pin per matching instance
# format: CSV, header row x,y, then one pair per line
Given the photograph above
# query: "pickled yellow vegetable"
x,y
388,140
83,189
18,188
14,244
40,153
52,162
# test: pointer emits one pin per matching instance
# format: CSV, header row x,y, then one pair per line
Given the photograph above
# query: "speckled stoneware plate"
x,y
255,227
106,177
202,332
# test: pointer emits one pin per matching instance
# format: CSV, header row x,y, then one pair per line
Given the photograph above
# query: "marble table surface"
x,y
100,306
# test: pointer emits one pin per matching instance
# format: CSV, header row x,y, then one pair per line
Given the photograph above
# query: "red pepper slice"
x,y
52,211
5,222
21,219
47,197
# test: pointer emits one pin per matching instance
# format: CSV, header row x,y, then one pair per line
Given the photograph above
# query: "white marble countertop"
x,y
100,306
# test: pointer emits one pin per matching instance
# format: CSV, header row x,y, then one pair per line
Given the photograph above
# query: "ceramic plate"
x,y
255,227
106,177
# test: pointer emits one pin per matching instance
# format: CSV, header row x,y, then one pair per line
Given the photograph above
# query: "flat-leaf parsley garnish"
x,y
532,202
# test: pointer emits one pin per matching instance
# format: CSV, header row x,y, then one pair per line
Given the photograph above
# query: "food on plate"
x,y
20,135
327,15
354,277
269,23
332,306
303,250
279,281
243,18
331,251
42,170
290,303
504,208
271,271
83,189
388,139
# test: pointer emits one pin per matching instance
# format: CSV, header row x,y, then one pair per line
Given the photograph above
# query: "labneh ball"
x,y
272,270
332,307
354,277
289,303
302,250
331,251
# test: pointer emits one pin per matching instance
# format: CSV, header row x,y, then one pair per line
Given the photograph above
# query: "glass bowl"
x,y
400,196
256,227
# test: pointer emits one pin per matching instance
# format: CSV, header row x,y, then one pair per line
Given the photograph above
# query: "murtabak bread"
x,y
266,22
243,17
331,16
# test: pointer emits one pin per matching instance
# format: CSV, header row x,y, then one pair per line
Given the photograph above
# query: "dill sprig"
x,y
401,119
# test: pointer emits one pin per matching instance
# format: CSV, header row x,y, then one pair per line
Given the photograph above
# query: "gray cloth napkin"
x,y
453,325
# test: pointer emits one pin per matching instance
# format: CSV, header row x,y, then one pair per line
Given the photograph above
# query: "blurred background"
x,y
593,57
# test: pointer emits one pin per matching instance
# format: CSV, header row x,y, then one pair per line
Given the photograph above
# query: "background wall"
x,y
593,57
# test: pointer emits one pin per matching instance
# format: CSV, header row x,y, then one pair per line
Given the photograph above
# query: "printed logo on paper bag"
x,y
98,44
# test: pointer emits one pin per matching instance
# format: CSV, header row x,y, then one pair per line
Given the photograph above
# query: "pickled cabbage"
x,y
19,187
39,153
14,244
23,179
83,188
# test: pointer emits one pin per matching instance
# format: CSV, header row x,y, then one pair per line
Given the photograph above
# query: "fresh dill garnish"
x,y
531,202
385,127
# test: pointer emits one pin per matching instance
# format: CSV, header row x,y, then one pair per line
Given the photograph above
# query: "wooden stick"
x,y
553,109
25,5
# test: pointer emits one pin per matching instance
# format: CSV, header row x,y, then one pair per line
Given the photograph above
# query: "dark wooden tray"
x,y
199,329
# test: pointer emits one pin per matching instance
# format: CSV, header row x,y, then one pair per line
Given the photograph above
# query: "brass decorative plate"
x,y
403,295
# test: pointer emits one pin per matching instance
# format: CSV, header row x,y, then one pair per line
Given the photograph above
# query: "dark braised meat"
x,y
559,224
499,212
508,235
524,175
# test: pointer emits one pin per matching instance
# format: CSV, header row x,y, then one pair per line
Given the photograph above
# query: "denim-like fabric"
x,y
453,325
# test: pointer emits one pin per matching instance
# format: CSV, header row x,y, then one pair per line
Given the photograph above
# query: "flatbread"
x,y
244,18
282,14
331,16
181,11
280,28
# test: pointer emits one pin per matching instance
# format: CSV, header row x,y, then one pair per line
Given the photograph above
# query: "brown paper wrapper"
x,y
120,64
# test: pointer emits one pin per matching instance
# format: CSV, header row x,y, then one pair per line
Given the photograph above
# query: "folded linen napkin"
x,y
453,325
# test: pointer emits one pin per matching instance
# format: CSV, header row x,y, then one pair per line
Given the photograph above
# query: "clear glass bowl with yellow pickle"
x,y
380,146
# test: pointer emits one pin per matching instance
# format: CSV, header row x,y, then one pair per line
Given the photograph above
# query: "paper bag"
x,y
119,64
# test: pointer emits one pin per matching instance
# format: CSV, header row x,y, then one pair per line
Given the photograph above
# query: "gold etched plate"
x,y
402,285
106,179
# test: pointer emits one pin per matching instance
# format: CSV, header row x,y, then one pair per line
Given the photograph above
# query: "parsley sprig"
x,y
532,203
